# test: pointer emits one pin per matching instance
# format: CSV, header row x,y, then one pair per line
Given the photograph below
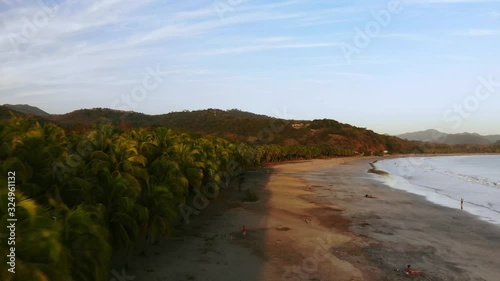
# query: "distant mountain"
x,y
427,136
452,139
493,138
27,109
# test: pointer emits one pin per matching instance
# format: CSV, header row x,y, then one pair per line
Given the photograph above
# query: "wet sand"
x,y
313,222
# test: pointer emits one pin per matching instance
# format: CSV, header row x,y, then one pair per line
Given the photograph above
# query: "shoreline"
x,y
431,191
303,228
445,243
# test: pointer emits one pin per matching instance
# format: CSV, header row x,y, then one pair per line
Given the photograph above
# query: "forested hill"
x,y
252,128
237,125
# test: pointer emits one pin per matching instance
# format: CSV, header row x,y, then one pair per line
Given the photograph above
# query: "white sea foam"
x,y
445,180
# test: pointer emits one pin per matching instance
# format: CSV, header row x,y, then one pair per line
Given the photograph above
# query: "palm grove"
x,y
83,195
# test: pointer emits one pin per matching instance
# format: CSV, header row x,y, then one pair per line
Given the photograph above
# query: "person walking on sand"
x,y
462,204
244,230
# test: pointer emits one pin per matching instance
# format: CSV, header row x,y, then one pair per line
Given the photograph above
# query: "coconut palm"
x,y
40,254
117,198
166,172
162,212
118,175
34,151
188,158
86,240
79,203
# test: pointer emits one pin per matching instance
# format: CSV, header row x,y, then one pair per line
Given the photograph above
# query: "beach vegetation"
x,y
84,193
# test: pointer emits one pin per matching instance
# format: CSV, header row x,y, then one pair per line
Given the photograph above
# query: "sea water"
x,y
445,180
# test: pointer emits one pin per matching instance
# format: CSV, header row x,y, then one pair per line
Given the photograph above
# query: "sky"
x,y
389,66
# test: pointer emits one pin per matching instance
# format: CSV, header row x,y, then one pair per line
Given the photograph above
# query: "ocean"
x,y
444,180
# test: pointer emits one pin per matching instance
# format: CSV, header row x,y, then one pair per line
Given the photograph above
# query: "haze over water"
x,y
445,180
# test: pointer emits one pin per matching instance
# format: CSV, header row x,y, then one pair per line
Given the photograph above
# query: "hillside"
x,y
243,126
237,125
27,109
87,117
4,112
493,138
435,136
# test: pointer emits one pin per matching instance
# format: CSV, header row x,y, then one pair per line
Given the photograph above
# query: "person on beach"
x,y
244,230
462,204
411,271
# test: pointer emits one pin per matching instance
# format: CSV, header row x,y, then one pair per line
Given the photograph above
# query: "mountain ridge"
x,y
435,136
238,125
27,109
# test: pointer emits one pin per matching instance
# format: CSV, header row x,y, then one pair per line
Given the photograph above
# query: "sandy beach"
x,y
312,221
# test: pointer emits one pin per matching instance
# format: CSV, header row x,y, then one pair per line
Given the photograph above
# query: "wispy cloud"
x,y
88,53
457,57
276,39
450,1
404,36
494,14
265,47
353,74
478,32
330,17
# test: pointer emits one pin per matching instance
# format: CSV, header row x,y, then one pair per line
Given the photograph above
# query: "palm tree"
x,y
162,212
86,240
117,198
187,157
212,167
166,172
40,255
162,144
127,162
114,189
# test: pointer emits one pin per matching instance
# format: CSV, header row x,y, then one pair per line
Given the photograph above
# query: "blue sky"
x,y
390,66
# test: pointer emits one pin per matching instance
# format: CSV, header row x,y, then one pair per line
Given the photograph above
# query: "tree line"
x,y
83,195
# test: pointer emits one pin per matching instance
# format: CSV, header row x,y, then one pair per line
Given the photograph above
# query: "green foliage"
x,y
40,253
240,126
85,193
